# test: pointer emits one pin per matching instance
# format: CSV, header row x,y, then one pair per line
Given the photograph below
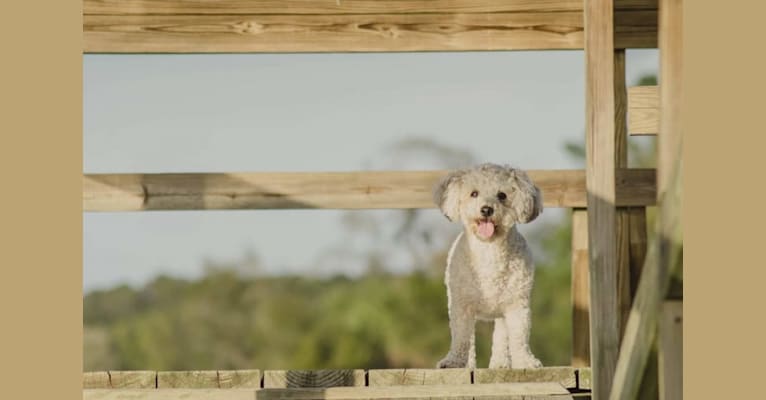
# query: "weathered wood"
x,y
340,190
584,378
643,110
506,390
671,56
313,378
236,379
642,323
187,379
580,290
638,243
95,380
218,33
169,394
670,355
406,377
621,161
565,376
122,7
600,175
133,379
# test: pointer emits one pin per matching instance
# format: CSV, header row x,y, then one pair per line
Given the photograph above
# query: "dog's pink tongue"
x,y
486,229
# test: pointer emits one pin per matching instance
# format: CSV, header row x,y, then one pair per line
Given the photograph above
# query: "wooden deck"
x,y
549,382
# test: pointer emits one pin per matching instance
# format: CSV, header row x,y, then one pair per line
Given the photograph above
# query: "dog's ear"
x,y
446,194
527,201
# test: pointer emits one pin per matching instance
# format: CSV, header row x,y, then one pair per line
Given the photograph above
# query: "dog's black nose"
x,y
487,211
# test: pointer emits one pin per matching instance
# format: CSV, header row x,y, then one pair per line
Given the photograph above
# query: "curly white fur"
x,y
490,272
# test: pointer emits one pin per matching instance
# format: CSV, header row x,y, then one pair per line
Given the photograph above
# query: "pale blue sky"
x,y
305,112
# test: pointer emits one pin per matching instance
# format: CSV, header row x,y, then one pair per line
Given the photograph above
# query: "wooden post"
x,y
621,161
670,353
600,182
669,149
580,289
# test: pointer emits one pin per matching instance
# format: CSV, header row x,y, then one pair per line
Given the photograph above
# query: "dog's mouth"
x,y
485,228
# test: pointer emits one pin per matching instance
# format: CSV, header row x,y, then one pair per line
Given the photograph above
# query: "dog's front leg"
x,y
518,322
500,357
462,323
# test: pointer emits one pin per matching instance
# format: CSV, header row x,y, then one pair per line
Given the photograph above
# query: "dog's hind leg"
x,y
500,357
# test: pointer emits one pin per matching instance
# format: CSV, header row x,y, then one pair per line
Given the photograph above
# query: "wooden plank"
x,y
671,90
638,243
216,33
506,390
314,378
169,394
584,378
411,376
621,161
643,110
644,121
580,290
133,379
565,376
643,97
237,379
187,379
600,174
122,7
95,380
338,190
642,323
671,366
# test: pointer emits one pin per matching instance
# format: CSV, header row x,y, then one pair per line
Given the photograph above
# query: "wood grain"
x,y
642,322
169,394
313,378
236,379
670,355
580,290
187,379
332,190
216,33
643,110
95,380
406,377
298,7
600,171
564,376
133,379
506,390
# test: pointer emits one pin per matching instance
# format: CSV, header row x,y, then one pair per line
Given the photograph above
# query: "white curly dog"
x,y
489,268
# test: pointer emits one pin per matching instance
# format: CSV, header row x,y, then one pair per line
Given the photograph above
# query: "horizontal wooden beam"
x,y
300,7
329,190
235,26
479,391
643,110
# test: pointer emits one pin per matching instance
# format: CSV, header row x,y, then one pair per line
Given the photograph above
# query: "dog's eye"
x,y
474,193
501,196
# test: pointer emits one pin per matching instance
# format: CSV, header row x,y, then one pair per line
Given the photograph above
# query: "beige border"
x,y
41,199
723,116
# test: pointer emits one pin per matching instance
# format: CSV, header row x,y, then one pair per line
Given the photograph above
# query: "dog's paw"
x,y
451,362
526,362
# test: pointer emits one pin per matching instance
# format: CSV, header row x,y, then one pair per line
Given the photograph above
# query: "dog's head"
x,y
489,199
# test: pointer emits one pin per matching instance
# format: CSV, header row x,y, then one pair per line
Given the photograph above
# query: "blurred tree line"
x,y
381,319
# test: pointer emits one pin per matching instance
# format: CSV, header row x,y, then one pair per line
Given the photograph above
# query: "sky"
x,y
306,112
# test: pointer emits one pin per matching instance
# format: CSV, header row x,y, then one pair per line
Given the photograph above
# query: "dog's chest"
x,y
498,277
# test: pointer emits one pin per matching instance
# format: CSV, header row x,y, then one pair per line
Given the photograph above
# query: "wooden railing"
x,y
233,26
